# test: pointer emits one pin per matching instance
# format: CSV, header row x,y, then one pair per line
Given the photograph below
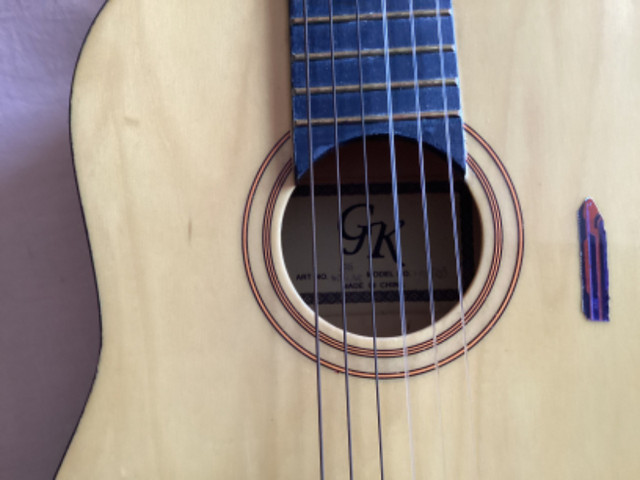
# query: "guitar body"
x,y
175,107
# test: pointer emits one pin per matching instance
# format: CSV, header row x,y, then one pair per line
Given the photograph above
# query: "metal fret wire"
x,y
374,52
365,162
427,236
369,87
340,242
377,118
457,248
314,245
396,219
370,16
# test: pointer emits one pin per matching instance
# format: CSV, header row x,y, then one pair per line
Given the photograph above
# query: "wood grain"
x,y
174,107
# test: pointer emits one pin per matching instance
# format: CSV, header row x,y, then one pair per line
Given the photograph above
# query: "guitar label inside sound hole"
x,y
381,243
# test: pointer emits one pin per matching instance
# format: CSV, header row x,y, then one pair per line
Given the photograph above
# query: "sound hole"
x,y
296,238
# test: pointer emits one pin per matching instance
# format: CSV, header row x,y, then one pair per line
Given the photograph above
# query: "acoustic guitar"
x,y
361,239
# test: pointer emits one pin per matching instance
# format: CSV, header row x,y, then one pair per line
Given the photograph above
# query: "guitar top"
x,y
361,258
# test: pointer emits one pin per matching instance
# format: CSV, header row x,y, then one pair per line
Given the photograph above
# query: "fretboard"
x,y
367,66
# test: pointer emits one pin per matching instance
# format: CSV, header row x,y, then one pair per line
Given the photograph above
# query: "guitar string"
x,y
314,245
365,163
456,242
427,234
396,219
343,299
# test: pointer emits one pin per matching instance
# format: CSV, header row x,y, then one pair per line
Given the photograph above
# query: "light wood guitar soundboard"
x,y
175,107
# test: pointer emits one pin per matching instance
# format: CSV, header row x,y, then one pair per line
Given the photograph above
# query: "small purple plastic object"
x,y
593,253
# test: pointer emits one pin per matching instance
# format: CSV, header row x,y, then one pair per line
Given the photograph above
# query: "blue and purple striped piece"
x,y
593,252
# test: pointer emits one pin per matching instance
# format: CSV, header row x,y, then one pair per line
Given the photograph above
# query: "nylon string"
x,y
340,242
427,236
365,162
456,241
396,220
314,241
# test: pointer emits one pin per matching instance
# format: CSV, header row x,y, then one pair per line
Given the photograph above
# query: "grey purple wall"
x,y
49,324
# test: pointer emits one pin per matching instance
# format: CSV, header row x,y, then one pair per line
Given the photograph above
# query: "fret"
x,y
347,71
372,16
378,52
368,87
320,8
378,118
346,35
375,102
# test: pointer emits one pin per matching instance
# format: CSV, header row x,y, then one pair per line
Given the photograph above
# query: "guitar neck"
x,y
357,69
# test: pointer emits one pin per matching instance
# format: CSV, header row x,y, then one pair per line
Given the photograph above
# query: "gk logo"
x,y
358,233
